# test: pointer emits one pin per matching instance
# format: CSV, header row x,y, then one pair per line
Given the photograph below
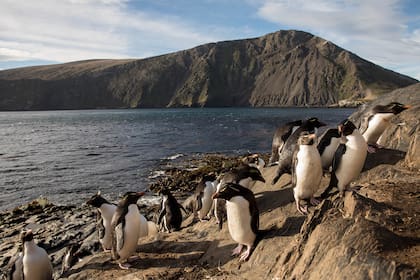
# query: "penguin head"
x,y
97,200
393,107
312,123
255,174
228,191
346,127
306,138
131,198
26,236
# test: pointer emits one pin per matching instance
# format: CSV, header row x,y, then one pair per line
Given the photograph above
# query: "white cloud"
x,y
84,29
373,29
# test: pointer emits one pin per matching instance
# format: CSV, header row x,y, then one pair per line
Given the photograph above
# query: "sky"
x,y
386,32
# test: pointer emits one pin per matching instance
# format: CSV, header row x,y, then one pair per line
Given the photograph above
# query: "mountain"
x,y
285,68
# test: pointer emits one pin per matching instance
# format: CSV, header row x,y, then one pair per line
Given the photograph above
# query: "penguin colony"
x,y
296,149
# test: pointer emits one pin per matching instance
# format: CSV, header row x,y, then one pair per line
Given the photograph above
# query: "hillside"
x,y
285,68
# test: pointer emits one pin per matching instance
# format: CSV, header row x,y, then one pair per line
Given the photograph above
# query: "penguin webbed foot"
x,y
124,266
314,201
303,209
237,250
245,255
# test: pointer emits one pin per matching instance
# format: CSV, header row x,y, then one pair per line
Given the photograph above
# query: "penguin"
x,y
105,212
306,171
327,145
70,257
280,136
170,213
285,158
377,120
35,261
16,267
254,160
204,203
244,176
125,227
349,158
242,216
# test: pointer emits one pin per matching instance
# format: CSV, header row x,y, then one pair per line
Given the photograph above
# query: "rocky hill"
x,y
369,234
285,68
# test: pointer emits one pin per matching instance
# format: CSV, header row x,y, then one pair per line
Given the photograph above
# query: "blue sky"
x,y
386,32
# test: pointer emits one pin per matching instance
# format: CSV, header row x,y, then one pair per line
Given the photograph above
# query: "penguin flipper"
x,y
119,235
364,124
100,225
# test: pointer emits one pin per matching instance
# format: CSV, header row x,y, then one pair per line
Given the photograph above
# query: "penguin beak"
x,y
407,106
312,136
140,194
340,129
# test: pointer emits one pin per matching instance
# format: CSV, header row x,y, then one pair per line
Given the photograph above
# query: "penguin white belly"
x,y
131,232
376,127
206,200
143,227
107,211
308,172
36,264
239,220
328,154
352,162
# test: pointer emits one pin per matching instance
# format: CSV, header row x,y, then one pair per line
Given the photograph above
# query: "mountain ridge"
x,y
284,68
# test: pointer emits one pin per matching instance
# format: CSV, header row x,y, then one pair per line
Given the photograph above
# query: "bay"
x,y
67,156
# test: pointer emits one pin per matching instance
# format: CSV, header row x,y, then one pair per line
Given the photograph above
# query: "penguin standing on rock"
x,y
280,137
377,120
104,217
242,216
328,144
348,159
306,171
285,158
126,228
244,176
170,213
35,261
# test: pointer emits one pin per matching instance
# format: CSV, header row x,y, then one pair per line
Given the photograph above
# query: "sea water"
x,y
66,156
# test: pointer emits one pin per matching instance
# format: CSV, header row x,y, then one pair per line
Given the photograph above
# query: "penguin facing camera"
x,y
306,171
254,160
242,217
285,158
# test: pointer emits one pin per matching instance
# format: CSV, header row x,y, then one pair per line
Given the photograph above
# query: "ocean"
x,y
66,156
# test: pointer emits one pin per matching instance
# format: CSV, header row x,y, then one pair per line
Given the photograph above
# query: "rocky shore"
x,y
369,234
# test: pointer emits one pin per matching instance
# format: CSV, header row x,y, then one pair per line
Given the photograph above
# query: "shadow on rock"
x,y
383,156
270,200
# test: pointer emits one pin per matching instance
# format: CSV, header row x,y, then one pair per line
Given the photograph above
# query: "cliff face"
x,y
285,68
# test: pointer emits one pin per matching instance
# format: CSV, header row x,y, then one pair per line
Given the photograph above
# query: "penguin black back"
x,y
230,190
286,156
170,212
280,136
325,140
97,200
